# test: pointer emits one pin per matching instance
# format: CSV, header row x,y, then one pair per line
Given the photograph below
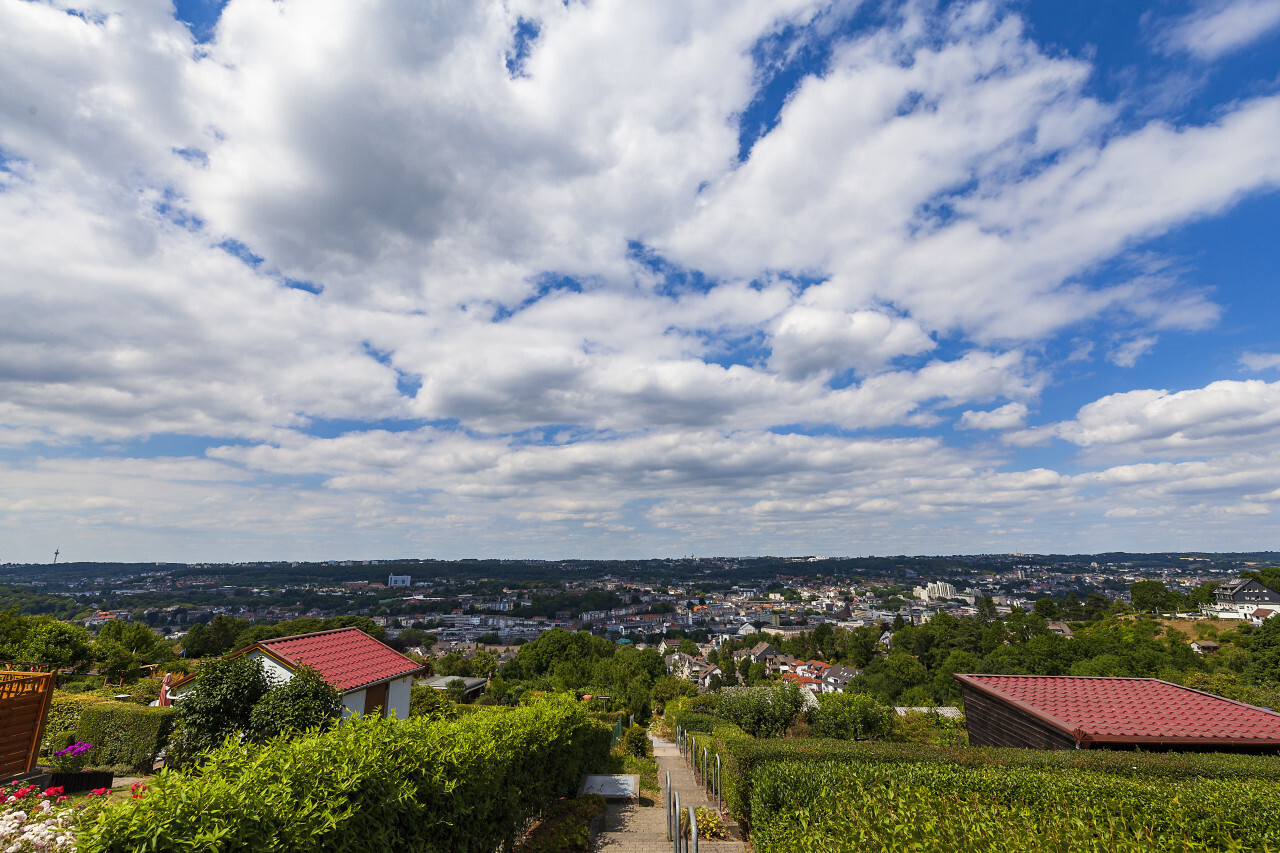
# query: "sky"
x,y
600,278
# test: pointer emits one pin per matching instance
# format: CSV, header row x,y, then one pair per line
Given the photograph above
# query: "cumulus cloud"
x,y
405,294
1008,416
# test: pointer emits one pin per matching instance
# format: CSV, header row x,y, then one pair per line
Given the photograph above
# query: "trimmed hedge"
x,y
742,756
470,784
64,716
692,721
124,733
830,806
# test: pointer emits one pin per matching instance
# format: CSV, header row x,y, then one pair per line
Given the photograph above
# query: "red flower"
x,y
52,792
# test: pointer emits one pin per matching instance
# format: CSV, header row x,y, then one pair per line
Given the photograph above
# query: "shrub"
x,y
762,711
692,721
219,705
426,701
125,734
303,702
471,784
566,827
636,742
851,716
828,806
64,716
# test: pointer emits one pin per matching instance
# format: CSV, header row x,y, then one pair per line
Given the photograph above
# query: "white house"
x,y
372,677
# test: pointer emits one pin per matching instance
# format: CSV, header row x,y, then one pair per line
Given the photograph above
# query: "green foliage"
x,y
743,757
64,716
219,705
850,716
303,702
428,702
668,687
762,711
123,648
636,742
471,784
566,828
832,806
709,823
125,734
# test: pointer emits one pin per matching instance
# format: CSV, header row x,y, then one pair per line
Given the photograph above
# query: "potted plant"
x,y
69,774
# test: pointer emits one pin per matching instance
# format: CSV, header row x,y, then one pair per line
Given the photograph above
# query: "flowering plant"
x,y
35,820
72,759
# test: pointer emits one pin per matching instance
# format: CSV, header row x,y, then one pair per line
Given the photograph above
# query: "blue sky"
x,y
539,278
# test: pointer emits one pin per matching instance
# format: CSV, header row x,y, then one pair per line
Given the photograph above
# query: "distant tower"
x,y
56,552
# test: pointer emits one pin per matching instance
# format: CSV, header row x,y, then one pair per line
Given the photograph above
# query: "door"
x,y
375,699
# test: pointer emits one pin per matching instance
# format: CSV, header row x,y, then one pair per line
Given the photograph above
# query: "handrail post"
x,y
718,806
693,830
675,823
668,804
705,764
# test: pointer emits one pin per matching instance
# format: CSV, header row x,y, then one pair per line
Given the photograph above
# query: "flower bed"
x,y
78,781
35,819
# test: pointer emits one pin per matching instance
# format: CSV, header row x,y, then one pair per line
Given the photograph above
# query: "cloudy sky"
x,y
322,278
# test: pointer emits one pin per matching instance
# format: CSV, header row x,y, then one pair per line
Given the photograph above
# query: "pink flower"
x,y
62,799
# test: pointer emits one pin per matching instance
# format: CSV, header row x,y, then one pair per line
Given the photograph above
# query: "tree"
x,y
54,644
688,647
987,609
220,704
303,702
1147,596
122,648
1046,608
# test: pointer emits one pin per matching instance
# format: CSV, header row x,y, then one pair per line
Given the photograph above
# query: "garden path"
x,y
639,828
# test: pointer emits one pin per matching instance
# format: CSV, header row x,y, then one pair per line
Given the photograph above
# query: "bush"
x,y
471,784
851,716
829,806
64,716
426,701
303,702
566,828
125,734
742,759
692,721
220,704
762,711
636,742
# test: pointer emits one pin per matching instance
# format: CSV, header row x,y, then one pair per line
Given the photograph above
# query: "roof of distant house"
x,y
347,658
1131,710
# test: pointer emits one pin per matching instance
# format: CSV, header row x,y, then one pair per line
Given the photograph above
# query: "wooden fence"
x,y
24,705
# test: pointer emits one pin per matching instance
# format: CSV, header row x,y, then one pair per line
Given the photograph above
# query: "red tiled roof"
x,y
1131,710
347,658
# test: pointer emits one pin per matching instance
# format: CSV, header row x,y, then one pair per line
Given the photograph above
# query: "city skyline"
x,y
569,279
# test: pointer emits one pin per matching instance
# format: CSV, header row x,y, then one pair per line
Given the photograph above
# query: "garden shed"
x,y
1069,712
369,674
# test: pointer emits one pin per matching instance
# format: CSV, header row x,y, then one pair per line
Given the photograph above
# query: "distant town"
x,y
703,598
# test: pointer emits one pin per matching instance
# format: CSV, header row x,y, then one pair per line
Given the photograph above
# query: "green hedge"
x,y
124,733
837,807
692,721
64,716
470,784
741,756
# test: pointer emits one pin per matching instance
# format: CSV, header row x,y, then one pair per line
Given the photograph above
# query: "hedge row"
x,y
742,756
125,734
830,806
64,718
470,784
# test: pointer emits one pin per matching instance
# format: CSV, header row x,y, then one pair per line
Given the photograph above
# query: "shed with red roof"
x,y
1071,712
372,677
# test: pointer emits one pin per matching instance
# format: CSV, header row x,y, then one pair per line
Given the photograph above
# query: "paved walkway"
x,y
643,829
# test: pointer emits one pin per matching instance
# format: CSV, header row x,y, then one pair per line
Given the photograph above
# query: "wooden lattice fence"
x,y
24,706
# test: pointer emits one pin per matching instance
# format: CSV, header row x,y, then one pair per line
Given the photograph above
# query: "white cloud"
x,y
610,317
1260,360
1008,416
1219,27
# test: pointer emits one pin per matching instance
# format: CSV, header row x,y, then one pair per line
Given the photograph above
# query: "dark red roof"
x,y
347,658
1131,710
